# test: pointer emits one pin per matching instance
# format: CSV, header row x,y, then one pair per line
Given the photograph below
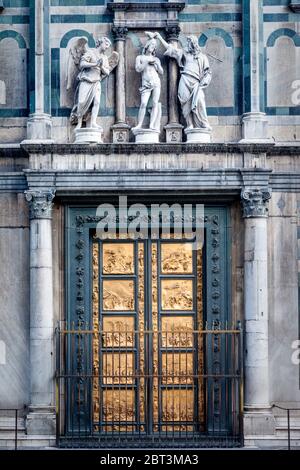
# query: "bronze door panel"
x,y
147,350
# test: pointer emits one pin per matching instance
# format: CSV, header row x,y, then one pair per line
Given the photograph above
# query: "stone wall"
x,y
14,295
218,26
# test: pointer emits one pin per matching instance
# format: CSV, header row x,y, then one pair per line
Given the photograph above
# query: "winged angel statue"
x,y
85,71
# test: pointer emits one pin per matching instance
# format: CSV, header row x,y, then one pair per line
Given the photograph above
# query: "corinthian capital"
x,y
255,202
40,203
119,33
172,32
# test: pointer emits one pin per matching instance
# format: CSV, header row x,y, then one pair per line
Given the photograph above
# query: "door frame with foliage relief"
x,y
182,388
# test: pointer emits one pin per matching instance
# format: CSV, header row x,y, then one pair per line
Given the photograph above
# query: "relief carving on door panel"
x,y
95,311
177,294
118,331
154,306
175,349
141,328
118,258
176,258
118,295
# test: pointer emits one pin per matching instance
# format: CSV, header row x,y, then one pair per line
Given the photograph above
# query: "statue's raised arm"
x,y
195,76
171,50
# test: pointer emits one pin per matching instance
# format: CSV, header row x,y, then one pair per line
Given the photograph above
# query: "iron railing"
x,y
149,388
15,412
288,418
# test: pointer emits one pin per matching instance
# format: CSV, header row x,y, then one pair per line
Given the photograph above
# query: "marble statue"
x,y
150,67
90,67
195,76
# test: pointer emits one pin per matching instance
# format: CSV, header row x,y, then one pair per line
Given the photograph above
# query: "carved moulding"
x,y
255,201
295,6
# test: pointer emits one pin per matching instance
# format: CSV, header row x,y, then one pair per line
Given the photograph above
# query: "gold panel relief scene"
x,y
177,332
118,295
118,332
176,258
118,258
177,294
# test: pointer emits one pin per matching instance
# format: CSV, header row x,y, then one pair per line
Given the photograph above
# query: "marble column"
x,y
173,128
39,123
41,416
254,121
120,129
257,417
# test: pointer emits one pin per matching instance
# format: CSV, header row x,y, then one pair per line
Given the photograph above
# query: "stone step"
x,y
7,441
8,424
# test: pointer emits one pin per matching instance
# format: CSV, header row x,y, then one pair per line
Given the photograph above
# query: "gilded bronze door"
x,y
147,355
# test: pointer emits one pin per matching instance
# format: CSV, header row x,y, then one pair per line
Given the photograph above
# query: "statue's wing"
x,y
75,53
113,60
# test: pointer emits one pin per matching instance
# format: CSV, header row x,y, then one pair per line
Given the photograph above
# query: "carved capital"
x,y
40,203
172,32
255,202
119,33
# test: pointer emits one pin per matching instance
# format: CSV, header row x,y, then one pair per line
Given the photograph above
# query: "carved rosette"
x,y
119,33
255,202
172,32
40,203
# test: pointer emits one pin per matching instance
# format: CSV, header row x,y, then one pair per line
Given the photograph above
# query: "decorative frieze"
x,y
40,203
255,202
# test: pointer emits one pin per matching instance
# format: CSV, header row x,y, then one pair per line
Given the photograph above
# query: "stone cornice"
x,y
208,182
12,182
22,150
163,148
141,6
215,181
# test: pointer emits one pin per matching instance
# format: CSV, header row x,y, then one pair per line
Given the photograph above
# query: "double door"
x,y
147,342
148,353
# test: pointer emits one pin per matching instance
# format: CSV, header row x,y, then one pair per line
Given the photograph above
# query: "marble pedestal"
x,y
198,136
41,421
39,128
120,132
173,132
255,128
88,135
146,136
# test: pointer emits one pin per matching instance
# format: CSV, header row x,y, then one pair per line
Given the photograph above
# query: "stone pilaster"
x,y
41,416
173,128
120,129
39,123
254,121
257,417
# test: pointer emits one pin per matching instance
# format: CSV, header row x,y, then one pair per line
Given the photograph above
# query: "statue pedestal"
x,y
146,136
173,132
198,135
120,132
88,135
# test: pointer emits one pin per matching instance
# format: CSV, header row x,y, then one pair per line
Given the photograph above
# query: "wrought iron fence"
x,y
288,419
149,388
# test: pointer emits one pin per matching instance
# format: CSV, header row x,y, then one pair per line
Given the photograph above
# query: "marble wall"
x,y
14,295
